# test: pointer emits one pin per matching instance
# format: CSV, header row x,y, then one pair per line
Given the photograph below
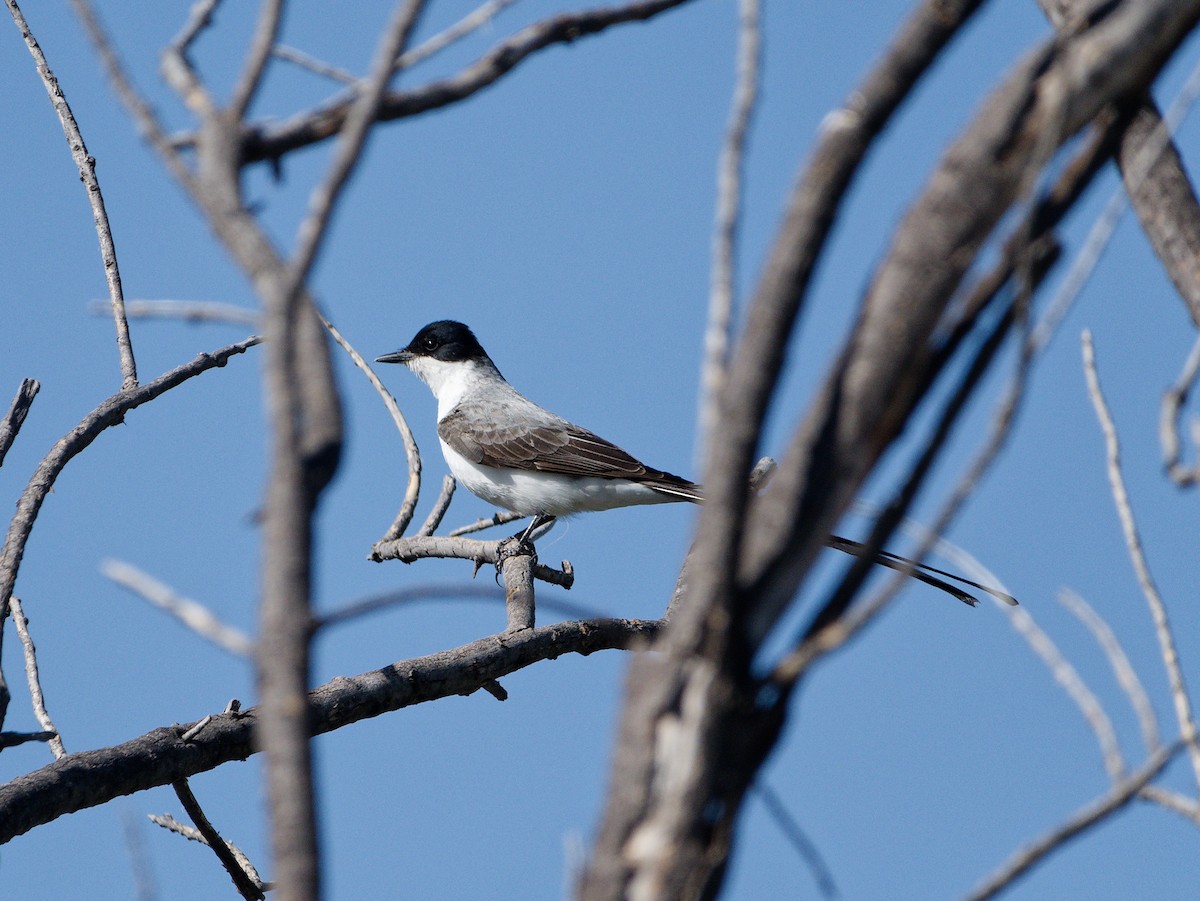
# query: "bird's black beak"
x,y
400,356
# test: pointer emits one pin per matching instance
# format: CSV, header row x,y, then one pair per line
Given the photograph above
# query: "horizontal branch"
x,y
91,778
409,550
264,142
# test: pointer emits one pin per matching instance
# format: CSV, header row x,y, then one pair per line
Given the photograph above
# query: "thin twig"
x,y
265,34
312,64
1133,542
438,511
1126,675
245,878
460,29
15,417
273,140
35,683
176,63
131,98
12,739
499,518
199,18
409,550
351,140
187,310
87,174
194,615
376,603
1096,812
1072,683
1168,422
728,214
1185,807
411,454
796,837
472,21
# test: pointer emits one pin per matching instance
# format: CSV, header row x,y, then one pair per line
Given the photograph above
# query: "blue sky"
x,y
565,214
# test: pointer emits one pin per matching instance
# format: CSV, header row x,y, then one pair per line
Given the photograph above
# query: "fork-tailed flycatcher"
x,y
516,455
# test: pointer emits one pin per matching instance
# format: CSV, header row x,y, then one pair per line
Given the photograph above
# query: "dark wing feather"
x,y
553,446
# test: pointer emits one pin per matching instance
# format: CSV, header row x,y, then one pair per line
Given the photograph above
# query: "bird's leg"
x,y
539,520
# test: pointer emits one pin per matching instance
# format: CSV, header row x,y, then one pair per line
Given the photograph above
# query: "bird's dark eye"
x,y
430,342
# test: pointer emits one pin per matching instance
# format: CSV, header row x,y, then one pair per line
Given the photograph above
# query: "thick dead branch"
x,y
91,778
1159,188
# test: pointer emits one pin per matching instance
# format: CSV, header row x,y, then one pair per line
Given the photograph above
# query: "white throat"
x,y
450,382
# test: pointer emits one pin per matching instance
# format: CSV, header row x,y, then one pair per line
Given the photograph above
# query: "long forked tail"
x,y
928,574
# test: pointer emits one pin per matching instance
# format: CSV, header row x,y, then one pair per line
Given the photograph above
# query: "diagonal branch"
x,y
91,778
87,174
1096,812
15,417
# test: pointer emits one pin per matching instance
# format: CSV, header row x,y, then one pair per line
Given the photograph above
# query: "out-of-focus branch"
x,y
725,227
266,32
1126,675
194,615
1157,184
87,174
91,778
1170,413
15,417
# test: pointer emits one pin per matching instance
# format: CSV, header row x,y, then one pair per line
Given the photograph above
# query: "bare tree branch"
x,y
1133,541
87,174
1096,812
272,141
724,241
1158,186
438,511
1170,413
194,615
21,621
188,310
91,778
245,878
266,32
1126,675
192,834
15,417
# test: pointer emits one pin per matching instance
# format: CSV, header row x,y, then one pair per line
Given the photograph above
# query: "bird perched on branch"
x,y
518,456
